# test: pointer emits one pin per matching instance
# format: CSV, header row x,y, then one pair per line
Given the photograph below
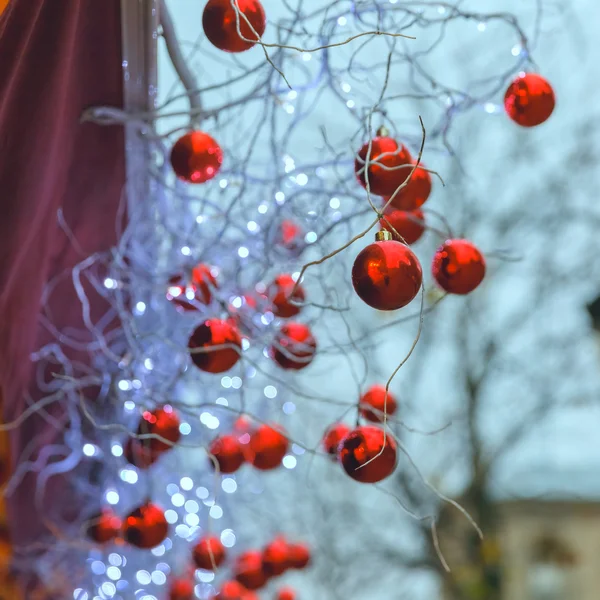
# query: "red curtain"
x,y
58,57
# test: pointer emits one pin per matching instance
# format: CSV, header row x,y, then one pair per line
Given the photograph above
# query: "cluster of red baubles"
x,y
250,571
183,589
366,453
387,274
144,527
216,344
264,448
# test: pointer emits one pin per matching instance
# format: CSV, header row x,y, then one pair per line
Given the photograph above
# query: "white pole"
x,y
139,31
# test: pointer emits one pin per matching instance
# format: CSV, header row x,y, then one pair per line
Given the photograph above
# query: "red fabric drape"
x,y
57,57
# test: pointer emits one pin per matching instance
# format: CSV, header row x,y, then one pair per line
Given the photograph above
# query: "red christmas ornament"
x,y
409,224
529,100
282,298
135,453
209,553
182,589
164,422
203,279
146,526
249,571
416,192
363,445
220,24
332,438
267,447
298,556
286,593
291,234
184,293
275,557
373,403
144,452
222,344
386,274
294,346
196,157
233,590
138,454
228,453
458,266
386,154
104,527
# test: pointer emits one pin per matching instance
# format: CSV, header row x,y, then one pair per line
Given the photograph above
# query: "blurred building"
x,y
545,544
550,549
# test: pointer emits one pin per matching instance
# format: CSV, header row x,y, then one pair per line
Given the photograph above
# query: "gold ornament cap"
x,y
383,236
383,131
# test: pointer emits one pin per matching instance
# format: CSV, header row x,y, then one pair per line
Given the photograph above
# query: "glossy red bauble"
x,y
333,436
248,570
286,593
143,452
294,346
181,589
276,557
385,156
267,447
186,295
163,422
221,344
416,192
360,447
410,224
138,454
209,553
387,275
104,527
281,296
458,266
373,403
298,556
291,235
196,157
146,526
228,453
220,23
529,100
234,590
